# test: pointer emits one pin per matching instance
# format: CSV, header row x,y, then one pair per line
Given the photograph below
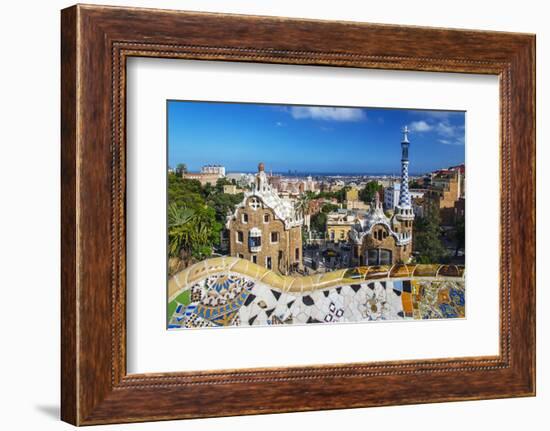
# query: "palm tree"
x,y
180,229
302,204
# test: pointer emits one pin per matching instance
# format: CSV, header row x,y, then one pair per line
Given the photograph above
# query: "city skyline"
x,y
311,139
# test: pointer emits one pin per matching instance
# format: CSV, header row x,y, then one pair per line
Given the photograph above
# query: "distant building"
x,y
274,181
352,200
419,206
352,194
379,240
209,174
266,229
231,189
356,205
339,224
391,196
213,169
204,179
293,187
445,191
385,182
243,180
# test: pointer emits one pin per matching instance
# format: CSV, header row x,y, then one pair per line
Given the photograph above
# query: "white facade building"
x,y
391,196
213,169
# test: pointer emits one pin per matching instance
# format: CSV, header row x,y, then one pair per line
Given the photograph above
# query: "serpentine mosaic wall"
x,y
229,291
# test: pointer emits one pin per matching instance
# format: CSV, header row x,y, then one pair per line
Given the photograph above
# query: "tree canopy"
x,y
367,193
319,222
196,216
427,237
181,169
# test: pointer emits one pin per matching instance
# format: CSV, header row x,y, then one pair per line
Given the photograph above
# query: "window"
x,y
297,254
240,236
254,203
268,262
342,235
240,256
380,234
254,258
254,241
274,237
372,257
245,218
266,218
379,257
385,257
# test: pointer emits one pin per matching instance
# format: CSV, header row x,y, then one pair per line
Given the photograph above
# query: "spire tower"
x,y
404,208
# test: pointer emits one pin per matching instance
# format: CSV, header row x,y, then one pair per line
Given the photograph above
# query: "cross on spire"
x,y
406,134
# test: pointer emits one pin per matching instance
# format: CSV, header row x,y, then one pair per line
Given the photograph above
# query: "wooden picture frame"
x,y
95,43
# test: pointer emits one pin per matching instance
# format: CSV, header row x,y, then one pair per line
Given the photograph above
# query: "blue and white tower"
x,y
404,209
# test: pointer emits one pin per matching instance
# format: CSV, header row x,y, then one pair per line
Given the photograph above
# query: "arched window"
x,y
379,256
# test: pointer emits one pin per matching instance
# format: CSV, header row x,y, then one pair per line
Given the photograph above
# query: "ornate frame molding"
x,y
96,41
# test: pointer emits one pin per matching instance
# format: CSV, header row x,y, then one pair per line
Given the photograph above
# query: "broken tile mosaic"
x,y
228,291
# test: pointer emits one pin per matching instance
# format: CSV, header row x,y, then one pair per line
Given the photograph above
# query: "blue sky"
x,y
311,139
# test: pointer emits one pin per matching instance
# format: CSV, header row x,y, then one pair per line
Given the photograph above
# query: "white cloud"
x,y
446,129
420,126
447,133
457,141
326,113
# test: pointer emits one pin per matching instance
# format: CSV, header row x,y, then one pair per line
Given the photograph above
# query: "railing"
x,y
201,270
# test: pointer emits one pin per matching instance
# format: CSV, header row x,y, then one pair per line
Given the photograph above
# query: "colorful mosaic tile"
x,y
231,292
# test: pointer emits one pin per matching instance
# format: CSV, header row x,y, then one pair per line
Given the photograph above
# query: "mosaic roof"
x,y
283,208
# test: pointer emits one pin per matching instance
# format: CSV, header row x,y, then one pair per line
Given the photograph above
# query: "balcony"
x,y
255,240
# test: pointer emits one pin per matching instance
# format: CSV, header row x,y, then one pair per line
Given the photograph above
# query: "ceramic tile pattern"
x,y
234,292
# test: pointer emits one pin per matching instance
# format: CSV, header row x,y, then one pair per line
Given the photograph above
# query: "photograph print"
x,y
293,214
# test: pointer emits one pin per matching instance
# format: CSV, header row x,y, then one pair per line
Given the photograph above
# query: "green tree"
x,y
415,184
192,233
180,231
340,195
223,182
181,169
328,208
460,235
184,192
223,203
193,228
208,190
427,238
302,204
319,222
366,194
